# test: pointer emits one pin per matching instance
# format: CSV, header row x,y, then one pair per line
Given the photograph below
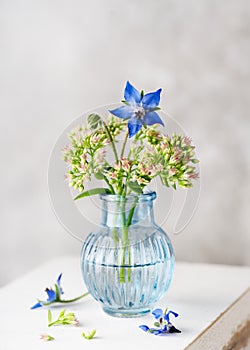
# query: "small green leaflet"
x,y
99,175
49,316
93,192
62,313
89,335
47,337
135,187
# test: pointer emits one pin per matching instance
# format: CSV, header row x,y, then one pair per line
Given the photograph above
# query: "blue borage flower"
x,y
54,295
140,109
163,324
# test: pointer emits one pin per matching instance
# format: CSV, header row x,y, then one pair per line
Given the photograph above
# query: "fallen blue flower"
x,y
140,109
158,314
54,295
163,324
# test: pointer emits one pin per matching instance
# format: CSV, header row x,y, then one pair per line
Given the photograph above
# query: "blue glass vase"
x,y
127,262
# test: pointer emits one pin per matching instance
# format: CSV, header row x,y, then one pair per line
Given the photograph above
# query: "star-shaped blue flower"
x,y
53,294
163,324
140,109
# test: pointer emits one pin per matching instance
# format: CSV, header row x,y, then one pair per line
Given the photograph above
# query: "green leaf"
x,y
135,187
50,338
47,337
49,316
125,102
93,120
99,175
157,324
93,192
90,334
61,313
57,292
184,183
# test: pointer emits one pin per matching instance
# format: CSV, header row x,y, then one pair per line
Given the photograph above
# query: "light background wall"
x,y
61,58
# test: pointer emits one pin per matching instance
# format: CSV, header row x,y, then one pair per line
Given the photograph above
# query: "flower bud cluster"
x,y
116,125
85,156
63,319
151,154
119,174
172,158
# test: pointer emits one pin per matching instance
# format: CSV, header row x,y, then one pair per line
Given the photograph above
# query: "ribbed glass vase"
x,y
128,261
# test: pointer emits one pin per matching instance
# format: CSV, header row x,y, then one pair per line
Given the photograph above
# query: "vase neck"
x,y
119,211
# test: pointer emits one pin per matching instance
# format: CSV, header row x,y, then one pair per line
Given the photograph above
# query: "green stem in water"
x,y
114,228
112,141
128,223
131,212
125,223
125,241
126,244
115,235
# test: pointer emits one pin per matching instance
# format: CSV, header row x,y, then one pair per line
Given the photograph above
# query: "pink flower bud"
x,y
187,140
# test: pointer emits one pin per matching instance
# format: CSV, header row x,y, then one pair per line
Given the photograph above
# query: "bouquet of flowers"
x,y
151,153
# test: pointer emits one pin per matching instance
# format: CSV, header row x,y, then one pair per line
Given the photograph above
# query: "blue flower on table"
x,y
163,324
139,109
53,294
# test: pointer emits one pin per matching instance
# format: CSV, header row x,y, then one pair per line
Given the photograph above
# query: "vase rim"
x,y
144,197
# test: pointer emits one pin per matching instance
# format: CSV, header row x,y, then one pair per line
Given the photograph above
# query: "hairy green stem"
x,y
109,185
75,299
111,141
124,145
66,301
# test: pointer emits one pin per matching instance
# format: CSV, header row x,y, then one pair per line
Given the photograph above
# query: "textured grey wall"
x,y
61,58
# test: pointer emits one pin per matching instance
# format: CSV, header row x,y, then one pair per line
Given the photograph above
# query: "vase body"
x,y
127,262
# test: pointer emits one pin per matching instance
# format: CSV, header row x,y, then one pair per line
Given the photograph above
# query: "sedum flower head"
x,y
86,155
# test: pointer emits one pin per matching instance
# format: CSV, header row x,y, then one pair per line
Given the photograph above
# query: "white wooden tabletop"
x,y
213,302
